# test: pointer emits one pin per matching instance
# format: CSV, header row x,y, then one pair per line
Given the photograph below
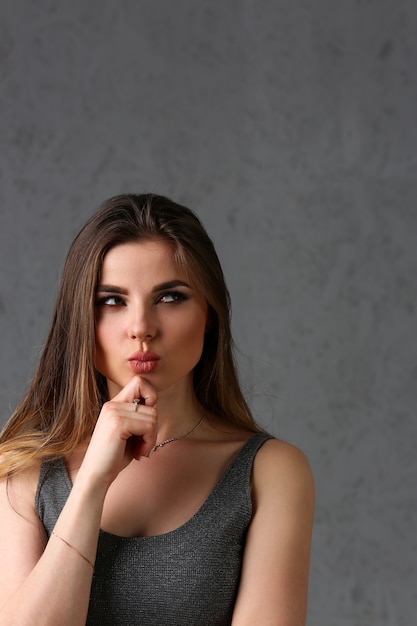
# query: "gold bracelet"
x,y
73,548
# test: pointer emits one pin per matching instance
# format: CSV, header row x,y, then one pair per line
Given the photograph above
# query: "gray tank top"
x,y
187,577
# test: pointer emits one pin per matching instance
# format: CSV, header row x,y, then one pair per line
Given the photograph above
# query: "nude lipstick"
x,y
143,362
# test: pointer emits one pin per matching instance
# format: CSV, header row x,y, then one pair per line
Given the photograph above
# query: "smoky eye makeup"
x,y
171,297
109,295
109,300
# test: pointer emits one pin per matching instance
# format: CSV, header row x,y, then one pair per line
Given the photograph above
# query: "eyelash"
x,y
104,301
177,296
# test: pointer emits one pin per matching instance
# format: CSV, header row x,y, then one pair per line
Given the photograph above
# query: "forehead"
x,y
142,260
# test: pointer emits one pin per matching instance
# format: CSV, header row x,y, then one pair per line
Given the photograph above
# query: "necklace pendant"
x,y
163,443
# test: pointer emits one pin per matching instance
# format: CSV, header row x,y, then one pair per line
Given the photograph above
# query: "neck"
x,y
177,414
164,442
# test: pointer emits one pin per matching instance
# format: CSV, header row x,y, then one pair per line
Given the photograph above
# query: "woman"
x,y
136,487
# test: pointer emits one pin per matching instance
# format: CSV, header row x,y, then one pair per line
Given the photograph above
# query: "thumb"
x,y
137,388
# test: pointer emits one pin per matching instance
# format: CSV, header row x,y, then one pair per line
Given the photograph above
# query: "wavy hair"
x,y
62,403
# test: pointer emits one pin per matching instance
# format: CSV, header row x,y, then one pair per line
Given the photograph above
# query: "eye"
x,y
171,297
110,301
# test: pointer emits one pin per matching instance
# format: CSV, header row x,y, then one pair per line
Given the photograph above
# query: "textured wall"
x,y
290,128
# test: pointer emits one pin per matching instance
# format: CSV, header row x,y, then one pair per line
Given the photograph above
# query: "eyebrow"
x,y
162,287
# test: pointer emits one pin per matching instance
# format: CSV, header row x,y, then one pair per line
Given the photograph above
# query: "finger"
x,y
142,434
137,388
141,447
138,430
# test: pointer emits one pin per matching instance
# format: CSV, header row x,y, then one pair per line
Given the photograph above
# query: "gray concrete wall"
x,y
290,128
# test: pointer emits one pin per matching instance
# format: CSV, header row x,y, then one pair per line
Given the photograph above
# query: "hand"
x,y
121,433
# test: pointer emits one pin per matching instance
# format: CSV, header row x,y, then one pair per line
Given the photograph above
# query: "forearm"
x,y
51,583
57,590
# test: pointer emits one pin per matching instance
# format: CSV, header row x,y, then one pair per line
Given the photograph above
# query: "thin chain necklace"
x,y
171,439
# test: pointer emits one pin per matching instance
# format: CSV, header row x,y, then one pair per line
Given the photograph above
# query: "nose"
x,y
142,325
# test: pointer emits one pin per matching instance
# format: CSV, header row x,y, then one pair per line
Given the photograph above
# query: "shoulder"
x,y
274,581
22,534
18,492
282,471
278,452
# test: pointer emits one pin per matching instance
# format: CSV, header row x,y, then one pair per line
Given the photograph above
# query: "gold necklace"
x,y
171,439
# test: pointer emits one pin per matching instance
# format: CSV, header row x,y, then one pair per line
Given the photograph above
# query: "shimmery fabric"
x,y
187,577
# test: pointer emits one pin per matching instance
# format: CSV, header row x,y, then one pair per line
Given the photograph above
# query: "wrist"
x,y
89,489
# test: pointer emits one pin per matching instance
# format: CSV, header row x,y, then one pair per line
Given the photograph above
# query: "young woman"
x,y
135,486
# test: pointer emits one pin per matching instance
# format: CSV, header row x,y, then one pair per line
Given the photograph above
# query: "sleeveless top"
x,y
186,577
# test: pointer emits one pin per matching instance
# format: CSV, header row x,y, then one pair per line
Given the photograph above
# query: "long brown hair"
x,y
61,406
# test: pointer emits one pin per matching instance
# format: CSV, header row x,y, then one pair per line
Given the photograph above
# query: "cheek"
x,y
106,328
104,338
105,350
196,333
190,333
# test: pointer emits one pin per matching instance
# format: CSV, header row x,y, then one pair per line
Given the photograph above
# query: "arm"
x,y
46,582
39,580
274,582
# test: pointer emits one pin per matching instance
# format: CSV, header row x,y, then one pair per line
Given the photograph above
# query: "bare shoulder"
x,y
274,583
282,469
22,535
17,494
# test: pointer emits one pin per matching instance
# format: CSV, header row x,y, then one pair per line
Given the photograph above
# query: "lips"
x,y
143,362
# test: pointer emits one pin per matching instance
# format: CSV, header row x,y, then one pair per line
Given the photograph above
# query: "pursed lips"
x,y
143,362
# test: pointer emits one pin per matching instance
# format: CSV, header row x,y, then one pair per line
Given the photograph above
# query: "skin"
x,y
120,485
158,311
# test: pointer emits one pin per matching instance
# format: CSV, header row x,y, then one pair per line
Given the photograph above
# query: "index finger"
x,y
137,389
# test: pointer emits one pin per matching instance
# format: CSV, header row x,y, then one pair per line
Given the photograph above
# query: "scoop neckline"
x,y
183,527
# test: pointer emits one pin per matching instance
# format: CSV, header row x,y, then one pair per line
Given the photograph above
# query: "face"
x,y
149,318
